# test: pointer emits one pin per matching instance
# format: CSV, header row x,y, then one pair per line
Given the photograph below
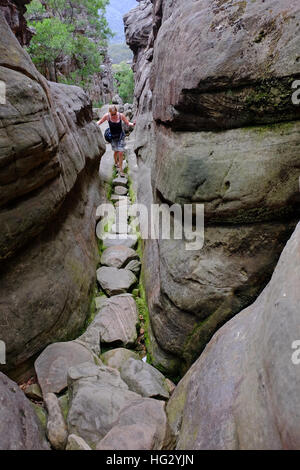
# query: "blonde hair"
x,y
113,108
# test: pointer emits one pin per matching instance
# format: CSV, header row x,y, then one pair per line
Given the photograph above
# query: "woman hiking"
x,y
118,136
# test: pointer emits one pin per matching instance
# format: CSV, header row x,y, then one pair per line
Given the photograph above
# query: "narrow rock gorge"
x,y
118,342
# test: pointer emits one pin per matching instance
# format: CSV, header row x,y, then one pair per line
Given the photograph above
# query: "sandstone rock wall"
x,y
103,88
20,428
50,151
216,126
13,11
242,393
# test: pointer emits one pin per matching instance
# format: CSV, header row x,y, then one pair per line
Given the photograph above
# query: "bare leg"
x,y
116,157
120,160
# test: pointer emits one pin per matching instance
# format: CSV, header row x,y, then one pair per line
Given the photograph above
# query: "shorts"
x,y
118,145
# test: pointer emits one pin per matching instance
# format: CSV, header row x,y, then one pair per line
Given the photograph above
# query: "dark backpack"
x,y
107,135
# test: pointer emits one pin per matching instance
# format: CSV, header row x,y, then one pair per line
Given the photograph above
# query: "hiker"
x,y
118,136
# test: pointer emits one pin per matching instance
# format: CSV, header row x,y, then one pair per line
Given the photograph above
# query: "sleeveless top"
x,y
116,128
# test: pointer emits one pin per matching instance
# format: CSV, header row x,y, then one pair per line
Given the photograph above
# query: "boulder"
x,y
144,379
52,365
116,357
170,386
117,320
96,113
141,425
134,266
120,190
86,370
129,437
106,395
129,240
91,339
56,427
129,111
20,428
118,256
120,181
76,443
117,100
242,393
146,412
115,281
41,414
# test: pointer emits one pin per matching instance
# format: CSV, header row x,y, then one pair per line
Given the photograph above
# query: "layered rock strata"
x,y
50,150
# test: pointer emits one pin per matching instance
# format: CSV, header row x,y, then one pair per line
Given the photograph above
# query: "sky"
x,y
115,11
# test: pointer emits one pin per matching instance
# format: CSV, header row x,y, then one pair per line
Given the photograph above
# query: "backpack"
x,y
107,135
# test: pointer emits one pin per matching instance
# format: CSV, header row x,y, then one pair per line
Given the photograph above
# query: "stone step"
x,y
118,257
117,320
120,190
120,228
134,266
129,240
52,365
123,202
144,379
115,281
120,181
118,197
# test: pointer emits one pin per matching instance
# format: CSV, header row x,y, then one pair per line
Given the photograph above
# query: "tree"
x,y
71,31
53,39
124,79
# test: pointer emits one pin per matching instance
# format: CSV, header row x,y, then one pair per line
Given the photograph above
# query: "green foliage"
x,y
52,39
97,104
63,32
124,79
35,8
131,192
119,53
